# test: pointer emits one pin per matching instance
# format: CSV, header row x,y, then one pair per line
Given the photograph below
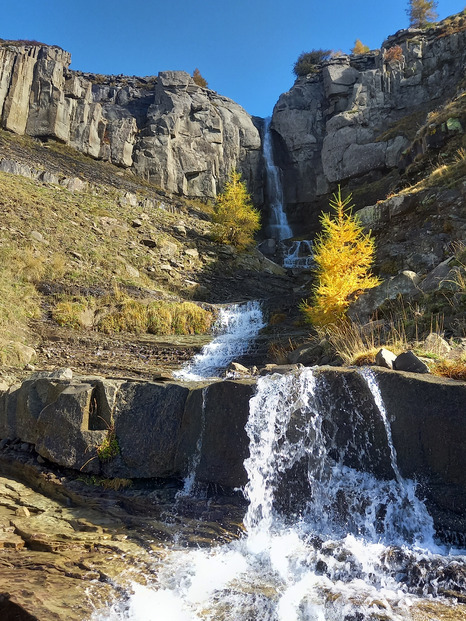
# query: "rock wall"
x,y
184,138
170,429
354,117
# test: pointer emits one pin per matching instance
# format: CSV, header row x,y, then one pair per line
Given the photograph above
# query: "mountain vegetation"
x,y
236,218
344,255
308,62
421,13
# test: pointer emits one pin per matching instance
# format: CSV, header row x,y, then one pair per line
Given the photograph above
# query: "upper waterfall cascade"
x,y
345,546
278,222
296,254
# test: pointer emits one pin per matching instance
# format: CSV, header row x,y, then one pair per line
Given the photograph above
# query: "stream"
x,y
322,541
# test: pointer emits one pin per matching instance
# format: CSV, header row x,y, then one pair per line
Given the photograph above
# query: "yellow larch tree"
x,y
343,255
236,218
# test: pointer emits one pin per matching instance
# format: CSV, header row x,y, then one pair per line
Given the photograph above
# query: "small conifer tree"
x,y
236,218
198,79
344,255
421,12
359,47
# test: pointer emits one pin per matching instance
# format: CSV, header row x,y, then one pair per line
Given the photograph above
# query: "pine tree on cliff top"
x,y
344,255
421,12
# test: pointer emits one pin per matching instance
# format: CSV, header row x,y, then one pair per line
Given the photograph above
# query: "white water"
x,y
299,255
189,484
278,223
236,327
358,548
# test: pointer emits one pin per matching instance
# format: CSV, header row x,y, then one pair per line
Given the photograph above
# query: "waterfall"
x,y
189,484
278,224
298,254
236,327
323,541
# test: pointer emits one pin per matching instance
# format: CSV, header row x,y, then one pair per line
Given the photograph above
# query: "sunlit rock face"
x,y
182,137
354,118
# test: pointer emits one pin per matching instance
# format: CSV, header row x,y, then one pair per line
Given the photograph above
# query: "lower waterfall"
x,y
237,325
323,541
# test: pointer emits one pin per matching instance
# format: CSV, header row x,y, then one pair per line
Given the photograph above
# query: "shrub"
x,y
394,53
343,254
421,12
109,449
234,214
159,318
359,47
308,61
198,79
69,313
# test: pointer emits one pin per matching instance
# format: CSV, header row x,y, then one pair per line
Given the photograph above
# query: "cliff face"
x,y
353,119
167,129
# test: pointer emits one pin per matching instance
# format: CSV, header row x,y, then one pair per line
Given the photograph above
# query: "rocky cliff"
x,y
354,118
350,120
181,137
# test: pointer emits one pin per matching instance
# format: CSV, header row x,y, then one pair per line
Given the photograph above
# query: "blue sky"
x,y
245,49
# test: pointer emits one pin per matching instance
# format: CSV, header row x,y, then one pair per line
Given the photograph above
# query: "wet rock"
x,y
279,368
408,361
236,367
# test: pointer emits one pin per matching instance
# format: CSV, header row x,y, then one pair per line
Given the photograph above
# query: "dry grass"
x,y
278,351
118,312
19,302
455,369
358,345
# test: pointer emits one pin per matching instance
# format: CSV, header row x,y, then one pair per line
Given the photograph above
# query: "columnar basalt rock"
x,y
182,137
344,121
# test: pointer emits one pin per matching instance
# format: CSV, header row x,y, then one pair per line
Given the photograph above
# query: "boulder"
x,y
63,434
408,361
385,358
435,344
405,283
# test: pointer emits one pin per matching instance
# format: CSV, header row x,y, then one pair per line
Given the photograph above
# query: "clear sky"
x,y
245,49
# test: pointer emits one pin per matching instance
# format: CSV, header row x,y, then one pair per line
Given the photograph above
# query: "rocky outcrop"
x,y
183,138
176,430
355,117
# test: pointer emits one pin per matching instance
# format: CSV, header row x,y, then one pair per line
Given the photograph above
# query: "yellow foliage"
x,y
344,255
234,214
198,79
359,47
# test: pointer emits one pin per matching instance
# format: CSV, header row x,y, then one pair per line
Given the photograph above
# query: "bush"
x,y
234,214
343,255
394,53
308,61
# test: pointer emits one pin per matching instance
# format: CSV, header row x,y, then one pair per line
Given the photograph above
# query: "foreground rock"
x,y
142,430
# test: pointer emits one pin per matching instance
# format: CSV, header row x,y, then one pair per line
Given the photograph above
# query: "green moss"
x,y
109,449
